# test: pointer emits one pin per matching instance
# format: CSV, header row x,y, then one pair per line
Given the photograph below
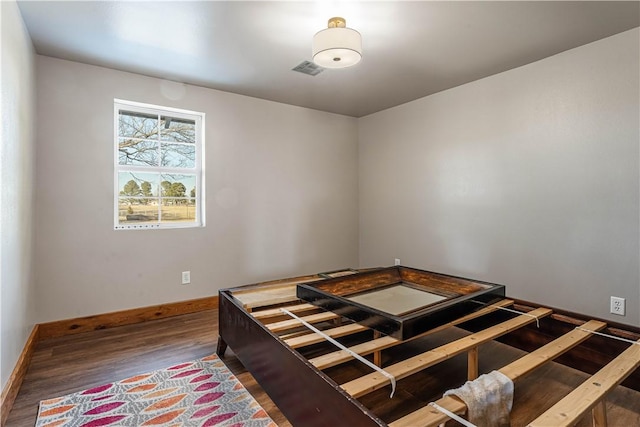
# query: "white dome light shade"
x,y
337,46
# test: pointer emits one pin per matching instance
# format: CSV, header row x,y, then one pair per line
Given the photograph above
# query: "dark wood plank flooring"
x,y
65,365
69,364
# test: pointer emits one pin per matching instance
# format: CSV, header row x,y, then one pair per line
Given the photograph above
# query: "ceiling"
x,y
411,48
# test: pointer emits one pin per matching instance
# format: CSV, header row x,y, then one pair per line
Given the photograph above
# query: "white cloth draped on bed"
x,y
489,399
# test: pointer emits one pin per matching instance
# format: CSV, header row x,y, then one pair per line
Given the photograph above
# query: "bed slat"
x,y
337,357
429,416
267,297
313,338
554,349
285,325
271,313
569,410
268,294
371,382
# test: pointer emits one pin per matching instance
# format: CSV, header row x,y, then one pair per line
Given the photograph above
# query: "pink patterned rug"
x,y
199,393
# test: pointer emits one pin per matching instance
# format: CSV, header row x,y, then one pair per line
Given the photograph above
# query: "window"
x,y
159,176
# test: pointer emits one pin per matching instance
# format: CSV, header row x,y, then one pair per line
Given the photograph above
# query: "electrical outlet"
x,y
186,277
617,306
397,262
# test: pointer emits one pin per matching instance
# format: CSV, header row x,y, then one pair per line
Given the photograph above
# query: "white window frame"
x,y
198,170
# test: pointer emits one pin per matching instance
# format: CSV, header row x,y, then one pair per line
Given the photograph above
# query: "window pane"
x,y
132,152
178,155
133,213
137,125
176,185
178,210
177,130
139,188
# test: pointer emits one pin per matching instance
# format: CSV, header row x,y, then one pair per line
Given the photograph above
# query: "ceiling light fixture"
x,y
337,46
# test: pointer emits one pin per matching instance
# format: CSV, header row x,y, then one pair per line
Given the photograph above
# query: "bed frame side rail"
x,y
307,397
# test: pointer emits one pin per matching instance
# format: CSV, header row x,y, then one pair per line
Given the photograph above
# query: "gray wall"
x,y
529,178
16,197
281,187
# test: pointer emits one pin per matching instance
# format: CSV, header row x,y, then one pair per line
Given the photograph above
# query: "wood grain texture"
x,y
73,363
313,338
269,314
585,397
12,388
428,416
61,328
551,351
68,364
285,375
472,364
286,325
358,283
347,296
383,342
599,414
452,284
285,382
374,381
588,357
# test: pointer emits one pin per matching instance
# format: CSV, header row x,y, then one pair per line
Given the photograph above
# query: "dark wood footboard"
x,y
306,396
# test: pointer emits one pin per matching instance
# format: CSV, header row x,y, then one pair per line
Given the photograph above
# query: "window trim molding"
x,y
199,170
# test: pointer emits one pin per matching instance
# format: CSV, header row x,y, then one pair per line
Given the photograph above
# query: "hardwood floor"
x,y
68,364
65,365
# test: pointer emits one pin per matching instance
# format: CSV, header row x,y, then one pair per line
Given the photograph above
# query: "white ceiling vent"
x,y
308,67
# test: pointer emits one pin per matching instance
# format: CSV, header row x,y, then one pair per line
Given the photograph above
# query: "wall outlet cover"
x,y
618,306
186,277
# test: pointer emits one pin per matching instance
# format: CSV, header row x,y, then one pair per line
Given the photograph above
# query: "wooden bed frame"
x,y
270,345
